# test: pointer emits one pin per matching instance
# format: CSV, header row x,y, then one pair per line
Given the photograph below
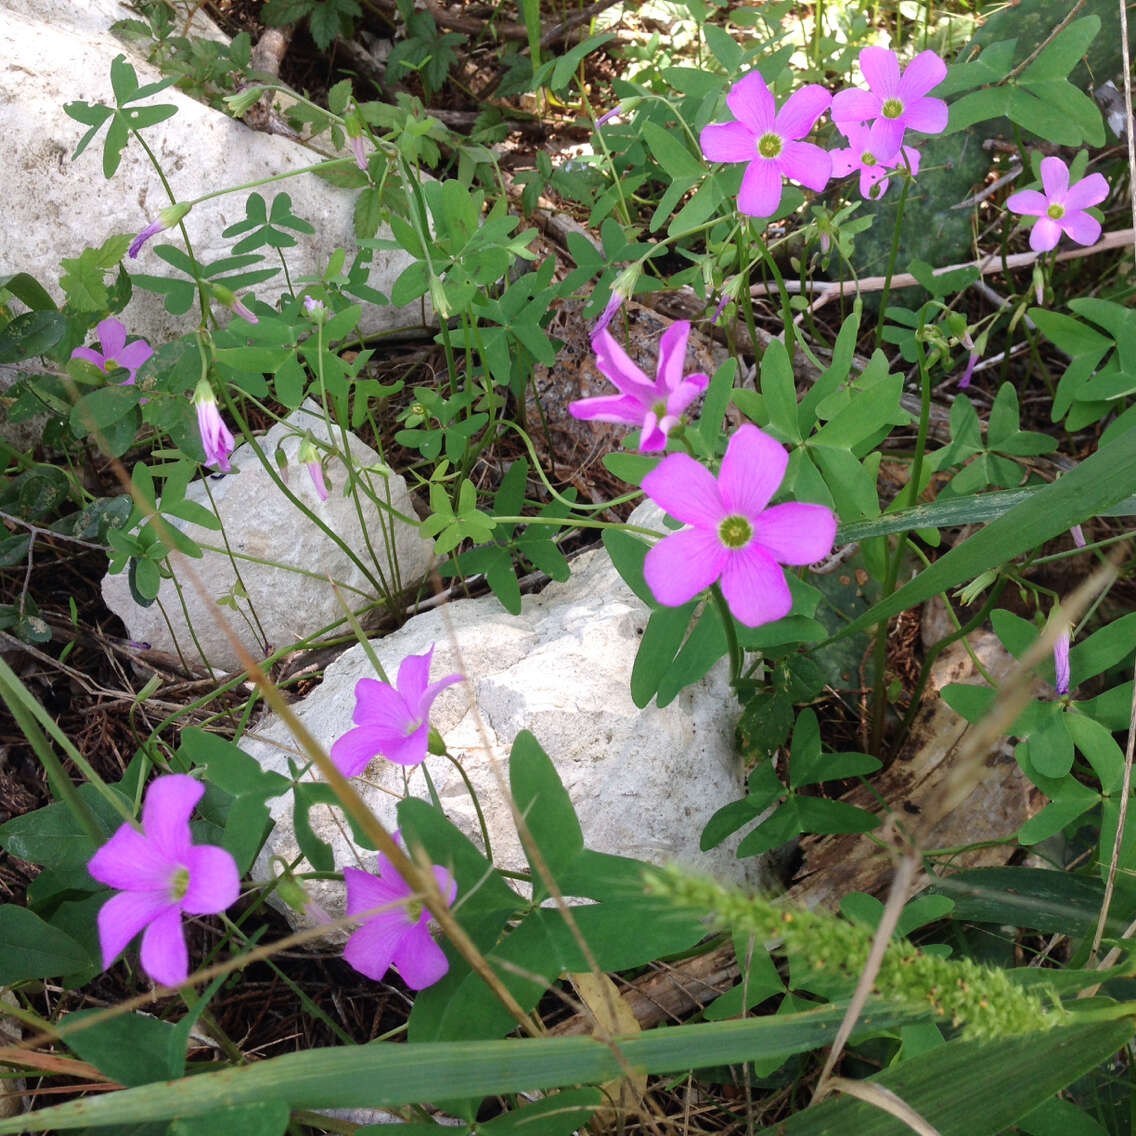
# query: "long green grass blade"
x,y
970,1088
390,1075
1096,485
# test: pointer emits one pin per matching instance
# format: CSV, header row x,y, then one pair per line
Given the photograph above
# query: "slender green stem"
x,y
324,165
893,254
476,805
737,658
202,293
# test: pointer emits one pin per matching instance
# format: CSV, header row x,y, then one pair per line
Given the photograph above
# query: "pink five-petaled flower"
x,y
391,720
767,138
216,439
896,102
655,406
734,537
115,351
159,873
400,936
1061,207
867,152
168,217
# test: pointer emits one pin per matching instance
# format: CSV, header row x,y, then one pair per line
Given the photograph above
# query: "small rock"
x,y
285,558
643,782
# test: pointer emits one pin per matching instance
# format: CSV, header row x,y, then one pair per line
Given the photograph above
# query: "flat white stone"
x,y
55,207
643,782
286,560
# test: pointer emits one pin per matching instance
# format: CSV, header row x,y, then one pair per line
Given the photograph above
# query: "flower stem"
x,y
894,253
737,659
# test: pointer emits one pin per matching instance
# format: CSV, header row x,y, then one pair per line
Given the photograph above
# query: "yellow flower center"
x,y
892,108
868,159
735,532
1056,211
770,145
179,884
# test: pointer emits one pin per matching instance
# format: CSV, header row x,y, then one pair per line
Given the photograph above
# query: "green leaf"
x,y
28,289
778,388
132,1049
564,69
662,637
52,837
559,1114
31,948
263,1118
230,768
390,1076
31,333
1101,481
544,804
1004,1080
671,154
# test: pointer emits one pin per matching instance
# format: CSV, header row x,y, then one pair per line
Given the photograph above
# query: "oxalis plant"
x,y
729,176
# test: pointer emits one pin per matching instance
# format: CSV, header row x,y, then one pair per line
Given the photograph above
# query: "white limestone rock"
x,y
643,782
285,558
55,207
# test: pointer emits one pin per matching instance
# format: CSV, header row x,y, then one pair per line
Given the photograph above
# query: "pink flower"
x,y
216,439
310,458
159,873
734,536
971,360
1061,207
400,936
115,351
655,406
895,102
391,720
1061,662
867,152
766,138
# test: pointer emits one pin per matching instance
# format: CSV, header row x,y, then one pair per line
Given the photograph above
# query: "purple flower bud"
x,y
1061,662
1078,535
964,382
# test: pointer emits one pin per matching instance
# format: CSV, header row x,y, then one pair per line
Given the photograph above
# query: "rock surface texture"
x,y
55,206
643,782
285,558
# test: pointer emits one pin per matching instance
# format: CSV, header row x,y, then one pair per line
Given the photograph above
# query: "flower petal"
x,y
889,134
806,163
1088,191
761,188
624,409
615,364
420,960
353,752
214,882
112,337
91,356
366,891
683,564
854,105
672,356
124,915
379,704
1027,202
685,489
881,70
1045,234
921,75
370,950
753,468
133,355
796,533
166,811
727,142
754,587
801,110
928,116
752,103
410,749
653,436
165,957
685,393
131,861
844,162
432,692
1081,227
1054,178
414,676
